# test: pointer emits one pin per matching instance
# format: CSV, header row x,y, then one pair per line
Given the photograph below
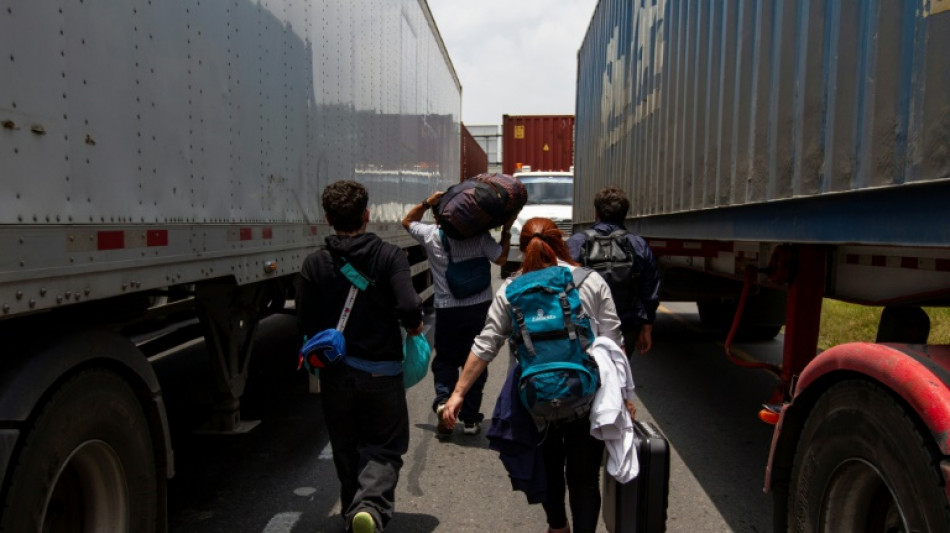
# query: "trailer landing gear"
x,y
230,315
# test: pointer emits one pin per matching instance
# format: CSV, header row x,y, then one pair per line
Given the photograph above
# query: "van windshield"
x,y
549,189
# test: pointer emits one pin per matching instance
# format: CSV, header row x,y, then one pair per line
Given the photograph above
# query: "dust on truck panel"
x,y
187,137
770,110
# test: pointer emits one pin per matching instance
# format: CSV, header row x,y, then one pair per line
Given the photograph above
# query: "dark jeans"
x,y
455,329
571,452
631,332
368,423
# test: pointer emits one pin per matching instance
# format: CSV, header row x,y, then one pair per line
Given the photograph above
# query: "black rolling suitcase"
x,y
639,506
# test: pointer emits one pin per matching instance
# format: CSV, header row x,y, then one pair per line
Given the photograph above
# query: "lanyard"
x,y
347,307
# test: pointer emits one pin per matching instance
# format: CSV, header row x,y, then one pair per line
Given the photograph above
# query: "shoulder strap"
x,y
347,307
627,246
358,282
354,276
580,274
445,245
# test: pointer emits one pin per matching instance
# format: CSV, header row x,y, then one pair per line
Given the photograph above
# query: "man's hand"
x,y
645,339
415,331
433,199
418,211
505,241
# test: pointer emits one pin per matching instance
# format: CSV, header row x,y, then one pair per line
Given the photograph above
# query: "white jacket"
x,y
609,419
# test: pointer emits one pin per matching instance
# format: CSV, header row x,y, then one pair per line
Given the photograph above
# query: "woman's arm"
x,y
474,366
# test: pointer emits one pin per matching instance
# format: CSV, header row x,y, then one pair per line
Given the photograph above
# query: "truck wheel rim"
x,y
89,492
859,499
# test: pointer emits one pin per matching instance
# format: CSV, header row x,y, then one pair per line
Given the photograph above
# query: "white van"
x,y
550,195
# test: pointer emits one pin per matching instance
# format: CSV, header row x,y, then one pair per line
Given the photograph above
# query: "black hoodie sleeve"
x,y
310,303
408,303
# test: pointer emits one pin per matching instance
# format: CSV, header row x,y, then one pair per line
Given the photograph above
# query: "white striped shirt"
x,y
478,246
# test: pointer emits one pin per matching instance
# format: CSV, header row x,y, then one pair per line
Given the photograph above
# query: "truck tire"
x,y
86,463
717,314
862,465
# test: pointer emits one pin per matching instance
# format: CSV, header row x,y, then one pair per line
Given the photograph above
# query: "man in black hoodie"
x,y
364,400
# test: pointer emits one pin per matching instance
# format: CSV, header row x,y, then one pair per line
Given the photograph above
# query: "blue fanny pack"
x,y
328,347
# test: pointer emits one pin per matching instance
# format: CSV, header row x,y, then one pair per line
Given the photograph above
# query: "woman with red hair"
x,y
570,453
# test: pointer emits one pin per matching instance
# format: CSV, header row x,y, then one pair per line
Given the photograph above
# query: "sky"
x,y
514,57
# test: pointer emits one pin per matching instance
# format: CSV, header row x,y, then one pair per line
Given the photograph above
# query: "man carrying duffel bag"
x,y
461,275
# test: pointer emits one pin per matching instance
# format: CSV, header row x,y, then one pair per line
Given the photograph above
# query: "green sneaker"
x,y
363,523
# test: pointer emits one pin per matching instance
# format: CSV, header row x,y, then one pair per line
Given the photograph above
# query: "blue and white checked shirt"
x,y
478,246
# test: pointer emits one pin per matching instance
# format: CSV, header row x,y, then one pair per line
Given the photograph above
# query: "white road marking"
x,y
282,523
304,491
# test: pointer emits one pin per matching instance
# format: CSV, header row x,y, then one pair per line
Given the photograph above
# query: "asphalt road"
x,y
279,477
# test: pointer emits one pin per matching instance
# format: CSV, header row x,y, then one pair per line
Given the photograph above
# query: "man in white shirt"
x,y
457,320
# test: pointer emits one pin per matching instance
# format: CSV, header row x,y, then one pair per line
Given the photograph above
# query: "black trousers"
x,y
572,459
368,423
455,329
630,328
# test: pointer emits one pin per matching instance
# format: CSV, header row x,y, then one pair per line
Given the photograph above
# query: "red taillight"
x,y
770,413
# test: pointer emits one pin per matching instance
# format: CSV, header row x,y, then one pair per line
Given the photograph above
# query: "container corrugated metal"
x,y
196,138
474,158
213,112
813,120
543,142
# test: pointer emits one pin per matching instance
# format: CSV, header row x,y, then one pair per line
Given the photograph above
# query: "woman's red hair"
x,y
542,245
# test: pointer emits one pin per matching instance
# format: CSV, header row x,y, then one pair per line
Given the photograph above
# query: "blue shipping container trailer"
x,y
778,153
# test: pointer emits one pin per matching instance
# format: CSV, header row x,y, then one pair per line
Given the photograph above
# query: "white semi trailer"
x,y
167,158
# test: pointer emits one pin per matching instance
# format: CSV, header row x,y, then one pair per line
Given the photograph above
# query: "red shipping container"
x,y
474,158
543,142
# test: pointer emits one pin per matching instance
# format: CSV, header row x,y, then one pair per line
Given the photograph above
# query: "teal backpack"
x,y
550,336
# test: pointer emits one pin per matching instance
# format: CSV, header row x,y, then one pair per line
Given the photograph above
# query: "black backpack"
x,y
612,256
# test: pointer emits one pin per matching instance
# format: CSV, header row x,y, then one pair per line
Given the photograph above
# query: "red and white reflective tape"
x,y
120,239
123,239
689,248
248,233
898,261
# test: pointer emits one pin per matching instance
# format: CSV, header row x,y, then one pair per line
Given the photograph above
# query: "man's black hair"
x,y
344,203
611,205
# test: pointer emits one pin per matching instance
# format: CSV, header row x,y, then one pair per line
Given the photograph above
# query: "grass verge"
x,y
843,322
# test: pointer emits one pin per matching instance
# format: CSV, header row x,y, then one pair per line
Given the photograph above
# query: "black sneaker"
x,y
471,428
441,430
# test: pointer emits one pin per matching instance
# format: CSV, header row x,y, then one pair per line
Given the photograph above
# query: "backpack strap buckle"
x,y
566,312
523,330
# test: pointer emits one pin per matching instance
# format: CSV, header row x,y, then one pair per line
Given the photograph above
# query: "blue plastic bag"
x,y
415,363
